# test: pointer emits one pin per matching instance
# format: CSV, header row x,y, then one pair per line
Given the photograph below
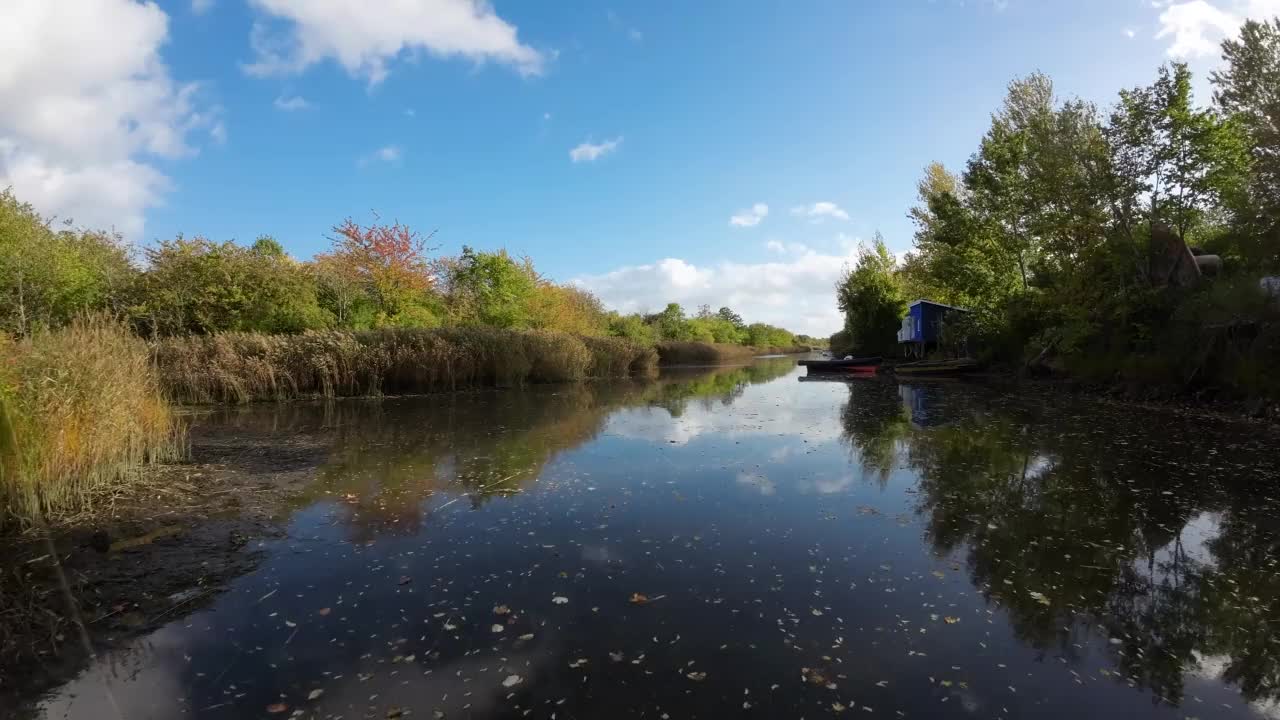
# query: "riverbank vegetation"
x,y
1080,238
81,409
244,367
98,337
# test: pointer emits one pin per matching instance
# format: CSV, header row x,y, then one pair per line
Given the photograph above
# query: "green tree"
x,y
47,277
200,286
491,289
1248,89
632,327
870,296
1174,161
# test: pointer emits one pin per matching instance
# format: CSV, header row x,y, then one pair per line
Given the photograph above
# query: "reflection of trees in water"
x,y
678,387
387,457
1077,521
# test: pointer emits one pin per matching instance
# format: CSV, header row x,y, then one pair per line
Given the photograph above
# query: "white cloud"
x,y
1198,27
1130,33
384,154
200,7
299,33
820,211
289,104
751,216
796,292
84,113
588,152
782,248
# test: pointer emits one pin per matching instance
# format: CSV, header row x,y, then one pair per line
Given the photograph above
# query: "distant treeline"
x,y
373,276
1066,233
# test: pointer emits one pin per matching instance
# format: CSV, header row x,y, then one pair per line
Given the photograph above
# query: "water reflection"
x,y
1087,520
914,550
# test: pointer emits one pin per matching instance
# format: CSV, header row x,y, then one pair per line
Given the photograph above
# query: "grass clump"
x,y
245,367
81,409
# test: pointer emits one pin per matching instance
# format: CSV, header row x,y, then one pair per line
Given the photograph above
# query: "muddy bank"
x,y
89,585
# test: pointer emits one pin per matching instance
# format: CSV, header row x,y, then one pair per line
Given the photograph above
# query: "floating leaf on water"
x,y
697,676
951,620
838,707
315,694
274,708
526,636
512,681
323,611
501,610
560,600
497,628
405,579
638,599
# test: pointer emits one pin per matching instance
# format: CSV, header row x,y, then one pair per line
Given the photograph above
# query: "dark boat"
x,y
942,367
862,364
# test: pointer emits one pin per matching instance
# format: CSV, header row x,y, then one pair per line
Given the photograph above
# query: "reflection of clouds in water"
x,y
781,453
826,485
1213,668
656,425
144,680
1190,544
759,481
153,679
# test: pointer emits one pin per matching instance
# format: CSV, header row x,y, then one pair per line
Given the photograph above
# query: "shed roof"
x,y
914,303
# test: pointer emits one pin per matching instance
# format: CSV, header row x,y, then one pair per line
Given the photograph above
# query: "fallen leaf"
x,y
323,611
512,681
526,636
315,694
638,599
497,628
697,676
560,600
501,610
274,708
950,620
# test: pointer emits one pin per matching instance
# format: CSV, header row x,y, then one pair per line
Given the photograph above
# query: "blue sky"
x,y
233,118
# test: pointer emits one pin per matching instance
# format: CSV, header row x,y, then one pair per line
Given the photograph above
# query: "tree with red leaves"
x,y
389,260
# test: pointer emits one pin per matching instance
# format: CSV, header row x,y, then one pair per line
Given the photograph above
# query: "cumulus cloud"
x,y
384,154
289,104
820,211
1196,28
295,34
796,292
84,113
751,216
589,152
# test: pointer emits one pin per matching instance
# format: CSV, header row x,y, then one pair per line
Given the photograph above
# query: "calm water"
x,y
807,549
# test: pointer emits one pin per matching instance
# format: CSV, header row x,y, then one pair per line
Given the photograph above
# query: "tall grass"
x,y
700,353
81,409
247,367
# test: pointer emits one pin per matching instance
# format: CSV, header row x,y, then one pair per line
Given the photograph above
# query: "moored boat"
x,y
862,364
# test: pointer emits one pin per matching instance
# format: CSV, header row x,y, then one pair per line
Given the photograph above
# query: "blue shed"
x,y
922,326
